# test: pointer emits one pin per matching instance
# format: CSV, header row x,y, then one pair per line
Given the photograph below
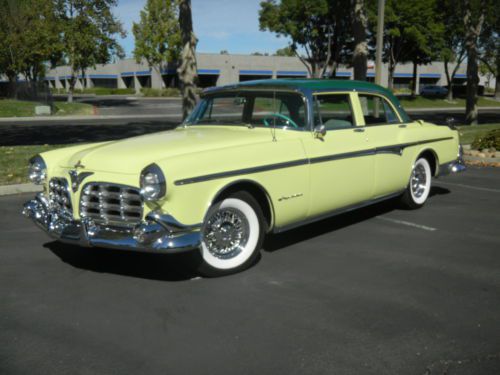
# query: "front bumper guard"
x,y
159,232
455,166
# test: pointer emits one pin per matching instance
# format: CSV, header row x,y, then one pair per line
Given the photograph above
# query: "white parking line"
x,y
407,223
469,186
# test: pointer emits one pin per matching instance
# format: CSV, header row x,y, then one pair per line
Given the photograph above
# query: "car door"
x,y
341,162
386,132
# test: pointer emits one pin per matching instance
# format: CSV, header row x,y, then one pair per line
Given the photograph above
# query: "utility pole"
x,y
380,41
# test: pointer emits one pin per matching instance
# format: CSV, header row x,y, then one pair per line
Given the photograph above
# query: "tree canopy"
x,y
157,34
317,28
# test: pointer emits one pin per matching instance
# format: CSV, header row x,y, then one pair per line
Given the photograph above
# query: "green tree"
x,y
490,48
89,35
187,69
426,37
158,35
411,33
29,38
285,51
319,28
453,50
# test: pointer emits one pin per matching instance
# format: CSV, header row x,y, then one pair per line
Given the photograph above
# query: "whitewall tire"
x,y
232,234
419,186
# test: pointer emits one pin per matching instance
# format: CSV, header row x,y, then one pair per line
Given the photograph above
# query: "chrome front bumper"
x,y
158,233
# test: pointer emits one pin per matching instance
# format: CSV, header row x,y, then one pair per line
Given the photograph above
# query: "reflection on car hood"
x,y
131,155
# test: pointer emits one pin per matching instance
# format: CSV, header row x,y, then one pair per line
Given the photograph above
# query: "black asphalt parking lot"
x,y
376,291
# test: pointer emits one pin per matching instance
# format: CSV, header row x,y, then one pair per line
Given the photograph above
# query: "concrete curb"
x,y
20,189
479,159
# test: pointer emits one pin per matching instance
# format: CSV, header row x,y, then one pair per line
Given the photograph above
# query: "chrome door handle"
x,y
360,130
402,126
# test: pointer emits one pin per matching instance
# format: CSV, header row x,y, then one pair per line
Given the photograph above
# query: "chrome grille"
x,y
59,194
111,204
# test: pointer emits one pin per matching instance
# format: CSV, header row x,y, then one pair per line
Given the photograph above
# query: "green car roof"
x,y
311,85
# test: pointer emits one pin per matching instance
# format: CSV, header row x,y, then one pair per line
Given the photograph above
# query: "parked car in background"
x,y
252,158
434,91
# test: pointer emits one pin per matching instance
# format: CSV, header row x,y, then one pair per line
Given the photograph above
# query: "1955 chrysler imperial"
x,y
252,158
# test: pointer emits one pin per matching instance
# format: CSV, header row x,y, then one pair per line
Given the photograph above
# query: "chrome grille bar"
x,y
111,204
59,195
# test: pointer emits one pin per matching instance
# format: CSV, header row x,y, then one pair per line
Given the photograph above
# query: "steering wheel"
x,y
280,116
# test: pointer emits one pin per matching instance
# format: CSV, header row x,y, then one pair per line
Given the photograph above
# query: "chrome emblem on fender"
x,y
76,179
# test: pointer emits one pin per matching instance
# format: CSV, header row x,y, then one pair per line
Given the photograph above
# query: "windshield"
x,y
255,109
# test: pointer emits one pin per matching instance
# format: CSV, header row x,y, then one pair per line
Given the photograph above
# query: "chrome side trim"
x,y
392,149
346,155
335,212
263,168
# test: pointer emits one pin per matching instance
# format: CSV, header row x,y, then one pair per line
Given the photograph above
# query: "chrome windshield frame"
x,y
236,90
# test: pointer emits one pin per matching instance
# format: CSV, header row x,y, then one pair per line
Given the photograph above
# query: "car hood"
x,y
130,156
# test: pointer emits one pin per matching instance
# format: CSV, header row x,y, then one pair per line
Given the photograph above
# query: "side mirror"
x,y
450,121
320,131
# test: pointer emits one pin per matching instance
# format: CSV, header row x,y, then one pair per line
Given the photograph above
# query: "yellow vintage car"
x,y
251,159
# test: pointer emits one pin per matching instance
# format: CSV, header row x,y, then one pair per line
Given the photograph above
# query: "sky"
x,y
231,25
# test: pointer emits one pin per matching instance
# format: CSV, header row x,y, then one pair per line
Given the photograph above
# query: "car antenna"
x,y
273,130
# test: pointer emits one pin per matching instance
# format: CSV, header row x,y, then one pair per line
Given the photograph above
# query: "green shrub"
x,y
489,140
169,91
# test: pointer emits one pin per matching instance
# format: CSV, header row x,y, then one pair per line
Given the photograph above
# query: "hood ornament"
x,y
76,179
79,165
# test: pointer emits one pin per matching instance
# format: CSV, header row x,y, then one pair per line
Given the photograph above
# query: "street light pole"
x,y
380,41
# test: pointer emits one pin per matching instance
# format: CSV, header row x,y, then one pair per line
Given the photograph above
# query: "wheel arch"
x,y
432,158
256,190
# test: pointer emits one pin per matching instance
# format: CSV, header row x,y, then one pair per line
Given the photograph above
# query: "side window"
x,y
377,110
334,111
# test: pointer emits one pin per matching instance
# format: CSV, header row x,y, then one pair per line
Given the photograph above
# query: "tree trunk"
x,y
392,68
12,89
449,82
497,78
473,30
360,55
84,80
187,69
72,83
414,84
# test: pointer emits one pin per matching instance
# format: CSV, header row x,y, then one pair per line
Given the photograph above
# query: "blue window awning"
x,y
102,76
343,74
208,71
430,75
403,75
292,73
143,73
256,72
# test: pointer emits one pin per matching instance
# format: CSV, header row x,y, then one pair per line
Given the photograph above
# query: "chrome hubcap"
x,y
226,233
418,181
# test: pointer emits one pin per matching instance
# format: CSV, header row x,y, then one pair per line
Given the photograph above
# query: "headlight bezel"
x,y
156,188
37,170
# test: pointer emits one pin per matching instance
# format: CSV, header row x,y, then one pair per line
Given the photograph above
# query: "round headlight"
x,y
37,171
153,183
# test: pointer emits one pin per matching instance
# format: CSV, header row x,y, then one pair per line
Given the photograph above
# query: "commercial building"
x,y
222,69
